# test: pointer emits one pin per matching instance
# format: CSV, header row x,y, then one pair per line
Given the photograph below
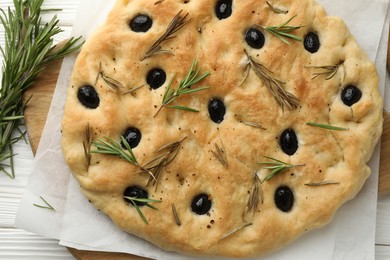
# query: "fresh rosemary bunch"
x,y
28,48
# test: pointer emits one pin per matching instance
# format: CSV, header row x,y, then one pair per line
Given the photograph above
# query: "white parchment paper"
x,y
76,223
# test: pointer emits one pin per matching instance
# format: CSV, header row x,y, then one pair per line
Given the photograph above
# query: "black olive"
x,y
201,204
350,95
289,141
254,38
311,42
223,9
132,136
135,192
141,23
217,110
88,96
156,78
284,198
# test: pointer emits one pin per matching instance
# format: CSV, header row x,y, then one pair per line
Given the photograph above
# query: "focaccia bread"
x,y
221,127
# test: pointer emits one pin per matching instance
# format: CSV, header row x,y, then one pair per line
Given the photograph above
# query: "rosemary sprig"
x,y
255,195
111,147
175,215
87,143
134,201
114,84
274,85
154,167
168,153
28,48
283,30
276,10
9,155
175,25
184,88
327,71
220,154
46,206
277,167
328,127
322,183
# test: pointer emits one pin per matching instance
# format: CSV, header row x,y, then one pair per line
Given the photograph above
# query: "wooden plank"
x,y
19,244
382,236
384,174
66,15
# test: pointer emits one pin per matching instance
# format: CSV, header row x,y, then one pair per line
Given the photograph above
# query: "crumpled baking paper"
x,y
351,234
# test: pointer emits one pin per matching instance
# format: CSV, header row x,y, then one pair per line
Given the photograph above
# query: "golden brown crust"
x,y
219,46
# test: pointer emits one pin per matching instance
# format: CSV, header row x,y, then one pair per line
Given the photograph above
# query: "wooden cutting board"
x,y
35,116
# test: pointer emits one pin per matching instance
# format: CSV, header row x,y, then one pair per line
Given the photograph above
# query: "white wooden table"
x,y
19,244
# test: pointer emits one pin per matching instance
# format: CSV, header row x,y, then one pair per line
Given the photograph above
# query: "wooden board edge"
x,y
384,170
93,255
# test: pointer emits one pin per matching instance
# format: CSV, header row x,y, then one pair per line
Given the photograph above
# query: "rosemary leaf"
x,y
27,50
142,200
158,2
87,143
323,183
191,79
276,10
328,71
328,127
277,167
220,154
134,201
4,157
132,90
235,231
256,195
46,206
274,85
175,25
50,10
283,30
114,84
175,215
253,124
184,108
167,153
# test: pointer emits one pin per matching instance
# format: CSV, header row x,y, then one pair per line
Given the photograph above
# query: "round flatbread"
x,y
221,127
